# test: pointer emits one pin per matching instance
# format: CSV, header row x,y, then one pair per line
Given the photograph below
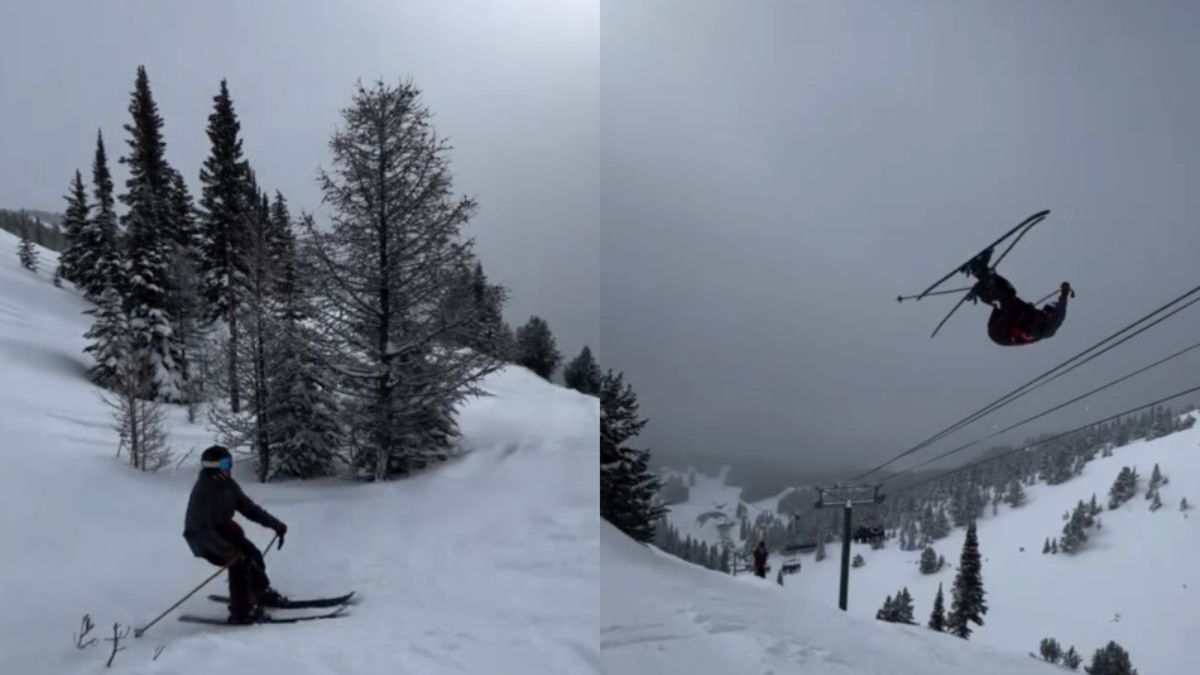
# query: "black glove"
x,y
281,530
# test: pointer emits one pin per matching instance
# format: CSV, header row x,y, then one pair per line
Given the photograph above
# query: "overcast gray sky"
x,y
512,84
774,173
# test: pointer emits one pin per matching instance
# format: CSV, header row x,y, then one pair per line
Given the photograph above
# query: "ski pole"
x,y
901,298
139,631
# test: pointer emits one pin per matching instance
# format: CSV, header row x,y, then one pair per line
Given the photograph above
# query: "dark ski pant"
x,y
1015,321
247,577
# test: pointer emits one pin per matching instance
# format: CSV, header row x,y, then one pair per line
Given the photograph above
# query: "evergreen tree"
x,y
73,260
1074,532
1155,481
929,561
904,608
103,265
149,222
395,238
1015,494
1054,546
627,487
27,254
1112,659
109,335
857,561
1123,488
937,619
1050,650
1072,659
186,302
1156,504
888,611
968,605
225,220
1046,546
1183,504
582,374
536,349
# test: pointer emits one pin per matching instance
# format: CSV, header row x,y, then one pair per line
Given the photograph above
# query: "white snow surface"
x,y
1137,581
662,616
488,564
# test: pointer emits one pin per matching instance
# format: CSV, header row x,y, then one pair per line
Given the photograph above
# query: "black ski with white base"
x,y
298,604
215,621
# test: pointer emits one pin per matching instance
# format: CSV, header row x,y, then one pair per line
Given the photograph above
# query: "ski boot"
x,y
272,598
978,266
255,615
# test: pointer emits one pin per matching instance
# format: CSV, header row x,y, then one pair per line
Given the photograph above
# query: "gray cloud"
x,y
773,174
512,84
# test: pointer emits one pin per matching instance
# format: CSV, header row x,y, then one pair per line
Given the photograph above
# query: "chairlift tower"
x,y
847,496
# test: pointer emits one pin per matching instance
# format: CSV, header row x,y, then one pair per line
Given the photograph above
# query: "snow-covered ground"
x,y
662,616
486,565
1137,581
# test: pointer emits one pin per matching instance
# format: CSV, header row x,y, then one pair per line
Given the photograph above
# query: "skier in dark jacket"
x,y
760,559
1013,320
212,534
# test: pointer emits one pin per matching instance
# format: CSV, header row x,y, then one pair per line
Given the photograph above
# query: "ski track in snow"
x,y
487,564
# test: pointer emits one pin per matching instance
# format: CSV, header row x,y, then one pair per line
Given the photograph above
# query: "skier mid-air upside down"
x,y
1014,321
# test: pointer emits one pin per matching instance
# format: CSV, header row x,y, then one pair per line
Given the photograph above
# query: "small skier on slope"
x,y
1014,321
760,560
212,534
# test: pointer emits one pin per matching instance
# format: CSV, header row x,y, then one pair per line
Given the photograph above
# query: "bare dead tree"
x,y
140,423
85,627
118,635
158,652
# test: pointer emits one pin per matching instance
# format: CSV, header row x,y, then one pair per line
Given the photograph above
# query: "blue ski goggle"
x,y
225,464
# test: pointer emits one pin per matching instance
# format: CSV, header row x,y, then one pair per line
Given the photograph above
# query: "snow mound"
x,y
488,564
662,616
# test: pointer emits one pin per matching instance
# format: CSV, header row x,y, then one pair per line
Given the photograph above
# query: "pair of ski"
x,y
340,602
972,266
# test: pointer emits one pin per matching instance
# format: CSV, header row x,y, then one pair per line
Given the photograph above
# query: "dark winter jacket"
x,y
760,557
209,524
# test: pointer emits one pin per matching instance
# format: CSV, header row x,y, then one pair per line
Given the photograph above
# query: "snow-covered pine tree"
x,y
627,487
1112,659
583,374
969,604
1155,481
888,611
1014,496
1050,650
1183,504
149,223
73,259
904,608
536,349
224,223
26,253
1046,546
1156,504
186,301
937,618
1054,546
109,336
1074,532
395,239
1123,488
929,561
857,561
1072,659
104,264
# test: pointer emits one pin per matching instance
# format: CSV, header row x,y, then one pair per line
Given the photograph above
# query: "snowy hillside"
x,y
1136,581
485,565
662,616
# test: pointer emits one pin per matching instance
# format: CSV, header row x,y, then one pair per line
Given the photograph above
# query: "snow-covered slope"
x,y
662,616
1137,581
485,565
